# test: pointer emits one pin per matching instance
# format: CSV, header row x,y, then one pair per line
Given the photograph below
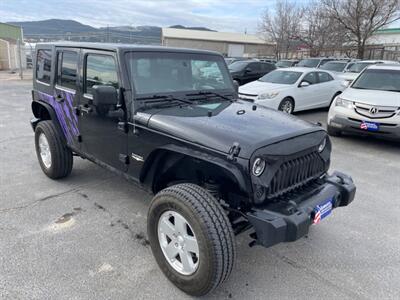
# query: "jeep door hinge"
x,y
233,151
124,158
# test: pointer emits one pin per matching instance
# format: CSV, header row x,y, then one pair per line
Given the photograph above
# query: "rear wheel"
x,y
286,106
54,157
191,238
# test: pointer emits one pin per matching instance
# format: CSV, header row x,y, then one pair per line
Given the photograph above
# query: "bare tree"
x,y
280,25
361,18
319,30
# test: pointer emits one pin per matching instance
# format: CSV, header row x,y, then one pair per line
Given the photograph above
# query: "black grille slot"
x,y
295,173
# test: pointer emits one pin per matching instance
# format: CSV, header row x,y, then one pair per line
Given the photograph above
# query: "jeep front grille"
x,y
296,173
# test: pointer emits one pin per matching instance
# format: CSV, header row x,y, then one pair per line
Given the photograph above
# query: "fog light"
x,y
334,124
259,194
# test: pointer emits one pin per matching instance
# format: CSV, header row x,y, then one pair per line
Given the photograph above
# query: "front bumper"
x,y
346,120
290,220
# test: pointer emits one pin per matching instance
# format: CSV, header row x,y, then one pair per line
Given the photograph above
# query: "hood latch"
x,y
233,151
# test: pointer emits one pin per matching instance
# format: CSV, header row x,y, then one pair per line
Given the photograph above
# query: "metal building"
x,y
228,43
11,44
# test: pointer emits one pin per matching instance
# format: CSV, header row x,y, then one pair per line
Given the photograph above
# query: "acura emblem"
x,y
373,110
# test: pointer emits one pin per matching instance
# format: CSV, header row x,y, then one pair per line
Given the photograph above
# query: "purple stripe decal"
x,y
65,114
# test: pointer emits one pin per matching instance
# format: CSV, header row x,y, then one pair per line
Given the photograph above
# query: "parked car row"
x,y
293,89
369,104
249,70
352,71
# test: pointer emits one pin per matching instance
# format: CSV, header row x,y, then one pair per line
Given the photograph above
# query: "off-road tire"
x,y
213,231
333,131
282,104
61,156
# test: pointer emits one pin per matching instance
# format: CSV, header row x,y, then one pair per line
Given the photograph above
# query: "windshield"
x,y
166,72
309,63
284,63
383,80
281,77
237,66
334,66
358,67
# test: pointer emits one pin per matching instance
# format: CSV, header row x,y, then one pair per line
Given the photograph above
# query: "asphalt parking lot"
x,y
84,237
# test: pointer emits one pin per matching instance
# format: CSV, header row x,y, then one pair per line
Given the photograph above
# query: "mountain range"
x,y
56,29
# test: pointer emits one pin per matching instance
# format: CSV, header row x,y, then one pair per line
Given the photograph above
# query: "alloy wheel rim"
x,y
44,149
287,107
178,242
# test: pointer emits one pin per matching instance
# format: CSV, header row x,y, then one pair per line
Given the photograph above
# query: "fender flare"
x,y
154,162
36,106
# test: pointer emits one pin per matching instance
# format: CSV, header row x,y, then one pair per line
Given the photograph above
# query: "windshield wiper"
x,y
203,93
159,99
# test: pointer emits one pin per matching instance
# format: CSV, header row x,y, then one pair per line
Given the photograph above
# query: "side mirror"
x,y
104,95
304,84
236,86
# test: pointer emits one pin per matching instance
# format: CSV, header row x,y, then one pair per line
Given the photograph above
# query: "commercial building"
x,y
227,43
389,37
10,52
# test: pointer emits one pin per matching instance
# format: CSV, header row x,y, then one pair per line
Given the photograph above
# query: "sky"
x,y
221,15
231,15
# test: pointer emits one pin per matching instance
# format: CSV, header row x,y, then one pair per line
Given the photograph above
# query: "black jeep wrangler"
x,y
171,121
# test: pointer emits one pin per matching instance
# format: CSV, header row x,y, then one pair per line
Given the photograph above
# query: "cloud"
x,y
221,15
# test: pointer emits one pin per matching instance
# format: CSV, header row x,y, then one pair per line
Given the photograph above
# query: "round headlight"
x,y
322,146
258,167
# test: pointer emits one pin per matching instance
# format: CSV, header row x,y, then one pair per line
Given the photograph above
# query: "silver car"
x,y
371,105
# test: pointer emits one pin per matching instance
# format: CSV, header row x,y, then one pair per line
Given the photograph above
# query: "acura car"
x,y
371,105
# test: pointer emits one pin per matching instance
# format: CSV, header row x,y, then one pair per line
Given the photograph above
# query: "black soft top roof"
x,y
123,47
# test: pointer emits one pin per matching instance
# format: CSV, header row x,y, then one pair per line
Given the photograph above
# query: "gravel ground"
x,y
84,237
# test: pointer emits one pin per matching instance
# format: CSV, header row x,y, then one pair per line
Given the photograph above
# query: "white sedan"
x,y
293,89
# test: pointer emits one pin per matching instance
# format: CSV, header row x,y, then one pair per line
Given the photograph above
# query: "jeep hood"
x,y
219,125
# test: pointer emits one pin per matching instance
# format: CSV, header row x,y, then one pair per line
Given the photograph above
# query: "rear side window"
x,y
324,61
324,77
67,69
268,67
255,67
100,70
43,66
311,78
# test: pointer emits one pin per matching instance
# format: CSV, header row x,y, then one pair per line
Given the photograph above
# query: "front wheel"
x,y
286,106
191,238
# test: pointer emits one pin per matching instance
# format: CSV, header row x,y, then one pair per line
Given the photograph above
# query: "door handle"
x,y
59,98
